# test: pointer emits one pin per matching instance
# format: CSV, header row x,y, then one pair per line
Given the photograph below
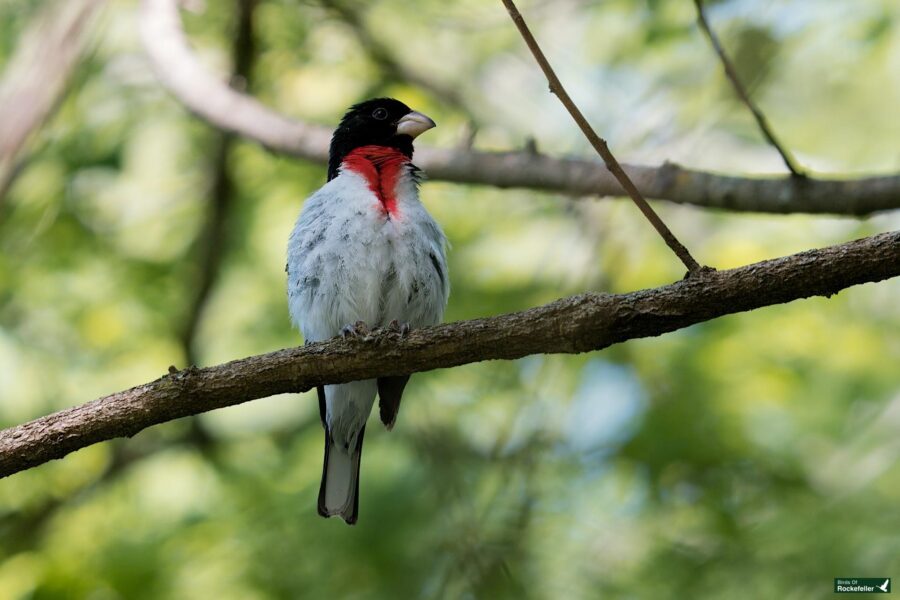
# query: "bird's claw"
x,y
355,330
361,330
396,326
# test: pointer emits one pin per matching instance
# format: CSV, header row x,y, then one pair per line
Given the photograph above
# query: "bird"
x,y
365,254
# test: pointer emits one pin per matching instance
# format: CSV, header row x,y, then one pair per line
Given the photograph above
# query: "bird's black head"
x,y
378,122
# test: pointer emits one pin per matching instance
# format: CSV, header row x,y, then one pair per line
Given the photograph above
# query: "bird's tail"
x,y
339,491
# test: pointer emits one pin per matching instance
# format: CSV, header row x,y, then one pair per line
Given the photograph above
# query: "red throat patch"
x,y
382,167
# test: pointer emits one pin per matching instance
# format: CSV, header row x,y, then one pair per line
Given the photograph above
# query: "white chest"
x,y
350,259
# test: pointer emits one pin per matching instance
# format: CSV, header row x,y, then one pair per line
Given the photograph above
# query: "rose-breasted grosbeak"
x,y
364,249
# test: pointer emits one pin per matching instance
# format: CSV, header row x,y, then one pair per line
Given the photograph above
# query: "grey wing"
x,y
425,307
308,283
437,273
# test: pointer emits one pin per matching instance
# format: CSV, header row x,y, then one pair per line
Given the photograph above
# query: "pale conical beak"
x,y
413,124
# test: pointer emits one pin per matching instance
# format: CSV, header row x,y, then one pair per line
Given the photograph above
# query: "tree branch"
x,y
739,89
210,98
580,323
25,525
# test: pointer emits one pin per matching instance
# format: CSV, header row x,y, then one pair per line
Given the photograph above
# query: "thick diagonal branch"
x,y
598,142
576,324
742,93
37,75
211,99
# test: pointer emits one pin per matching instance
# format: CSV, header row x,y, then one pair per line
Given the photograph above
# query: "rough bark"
x,y
580,323
210,98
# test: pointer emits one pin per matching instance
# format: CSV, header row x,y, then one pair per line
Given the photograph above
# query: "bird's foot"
x,y
396,326
358,329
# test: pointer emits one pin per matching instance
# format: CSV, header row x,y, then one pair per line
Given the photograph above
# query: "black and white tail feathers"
x,y
339,489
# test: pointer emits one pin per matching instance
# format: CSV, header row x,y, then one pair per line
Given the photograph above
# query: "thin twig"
x,y
741,91
597,142
211,245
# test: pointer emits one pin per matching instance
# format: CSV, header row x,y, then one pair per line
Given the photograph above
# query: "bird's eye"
x,y
380,114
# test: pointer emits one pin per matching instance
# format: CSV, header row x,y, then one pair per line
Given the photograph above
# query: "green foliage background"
x,y
754,456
